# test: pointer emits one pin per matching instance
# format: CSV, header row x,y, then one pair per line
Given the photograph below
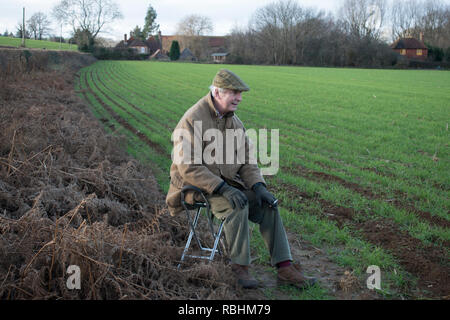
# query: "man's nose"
x,y
239,96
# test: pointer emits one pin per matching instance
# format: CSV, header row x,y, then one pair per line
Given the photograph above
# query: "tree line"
x,y
359,34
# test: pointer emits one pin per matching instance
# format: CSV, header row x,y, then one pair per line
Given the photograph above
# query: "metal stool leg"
x,y
216,242
193,225
192,233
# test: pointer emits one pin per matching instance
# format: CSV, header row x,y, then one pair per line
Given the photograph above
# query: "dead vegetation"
x,y
69,195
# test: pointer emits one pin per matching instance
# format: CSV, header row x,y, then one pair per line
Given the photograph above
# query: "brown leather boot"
x,y
245,279
292,275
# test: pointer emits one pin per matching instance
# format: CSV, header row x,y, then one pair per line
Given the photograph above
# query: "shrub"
x,y
174,50
103,53
435,53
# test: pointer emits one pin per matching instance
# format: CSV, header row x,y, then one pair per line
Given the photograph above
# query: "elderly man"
x,y
236,191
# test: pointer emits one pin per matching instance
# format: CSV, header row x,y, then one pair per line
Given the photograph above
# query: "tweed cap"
x,y
226,79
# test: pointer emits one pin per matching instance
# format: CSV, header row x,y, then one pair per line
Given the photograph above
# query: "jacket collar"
x,y
214,113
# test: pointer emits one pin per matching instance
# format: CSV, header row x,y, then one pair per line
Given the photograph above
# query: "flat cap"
x,y
226,79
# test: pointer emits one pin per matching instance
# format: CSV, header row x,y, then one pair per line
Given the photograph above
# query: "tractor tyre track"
x,y
169,124
105,121
139,120
369,194
150,116
124,123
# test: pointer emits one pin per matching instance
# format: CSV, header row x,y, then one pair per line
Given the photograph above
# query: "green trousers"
x,y
236,228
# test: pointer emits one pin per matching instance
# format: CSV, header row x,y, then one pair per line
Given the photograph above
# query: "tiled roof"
x,y
216,41
137,43
408,43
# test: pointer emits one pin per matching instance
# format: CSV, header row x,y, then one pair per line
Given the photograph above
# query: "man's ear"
x,y
217,93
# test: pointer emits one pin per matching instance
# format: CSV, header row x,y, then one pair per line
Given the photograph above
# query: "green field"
x,y
364,155
36,44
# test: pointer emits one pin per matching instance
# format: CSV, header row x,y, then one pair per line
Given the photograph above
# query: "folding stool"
x,y
193,222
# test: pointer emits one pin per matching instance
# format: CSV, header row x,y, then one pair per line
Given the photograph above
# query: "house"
x,y
149,46
411,48
139,46
153,44
212,43
219,57
166,42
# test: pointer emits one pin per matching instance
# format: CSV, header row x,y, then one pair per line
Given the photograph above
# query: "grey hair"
x,y
213,89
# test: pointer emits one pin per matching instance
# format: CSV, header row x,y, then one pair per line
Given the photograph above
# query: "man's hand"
x,y
263,195
235,196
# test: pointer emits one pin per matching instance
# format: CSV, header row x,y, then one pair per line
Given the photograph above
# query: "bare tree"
x,y
313,39
39,25
434,23
191,30
277,28
87,15
364,18
405,18
19,31
195,25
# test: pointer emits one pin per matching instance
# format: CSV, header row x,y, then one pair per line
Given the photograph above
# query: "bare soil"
x,y
339,282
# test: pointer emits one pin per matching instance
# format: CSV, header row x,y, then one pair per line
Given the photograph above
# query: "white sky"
x,y
225,14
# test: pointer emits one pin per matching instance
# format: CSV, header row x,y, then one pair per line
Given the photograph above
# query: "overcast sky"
x,y
225,14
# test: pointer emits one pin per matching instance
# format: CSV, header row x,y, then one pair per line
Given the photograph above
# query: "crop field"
x,y
36,44
364,173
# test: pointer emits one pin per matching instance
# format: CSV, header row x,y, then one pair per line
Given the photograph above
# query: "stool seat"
x,y
200,206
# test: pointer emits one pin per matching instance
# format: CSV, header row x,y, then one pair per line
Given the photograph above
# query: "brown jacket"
x,y
208,176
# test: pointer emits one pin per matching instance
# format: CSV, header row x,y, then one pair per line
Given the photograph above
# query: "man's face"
x,y
228,101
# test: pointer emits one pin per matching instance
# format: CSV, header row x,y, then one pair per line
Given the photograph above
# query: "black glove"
x,y
263,195
235,196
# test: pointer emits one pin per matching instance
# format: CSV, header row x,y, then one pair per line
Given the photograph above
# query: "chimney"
x,y
125,37
421,37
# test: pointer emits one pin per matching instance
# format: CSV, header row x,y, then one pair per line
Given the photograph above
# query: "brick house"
x,y
213,43
411,48
149,46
